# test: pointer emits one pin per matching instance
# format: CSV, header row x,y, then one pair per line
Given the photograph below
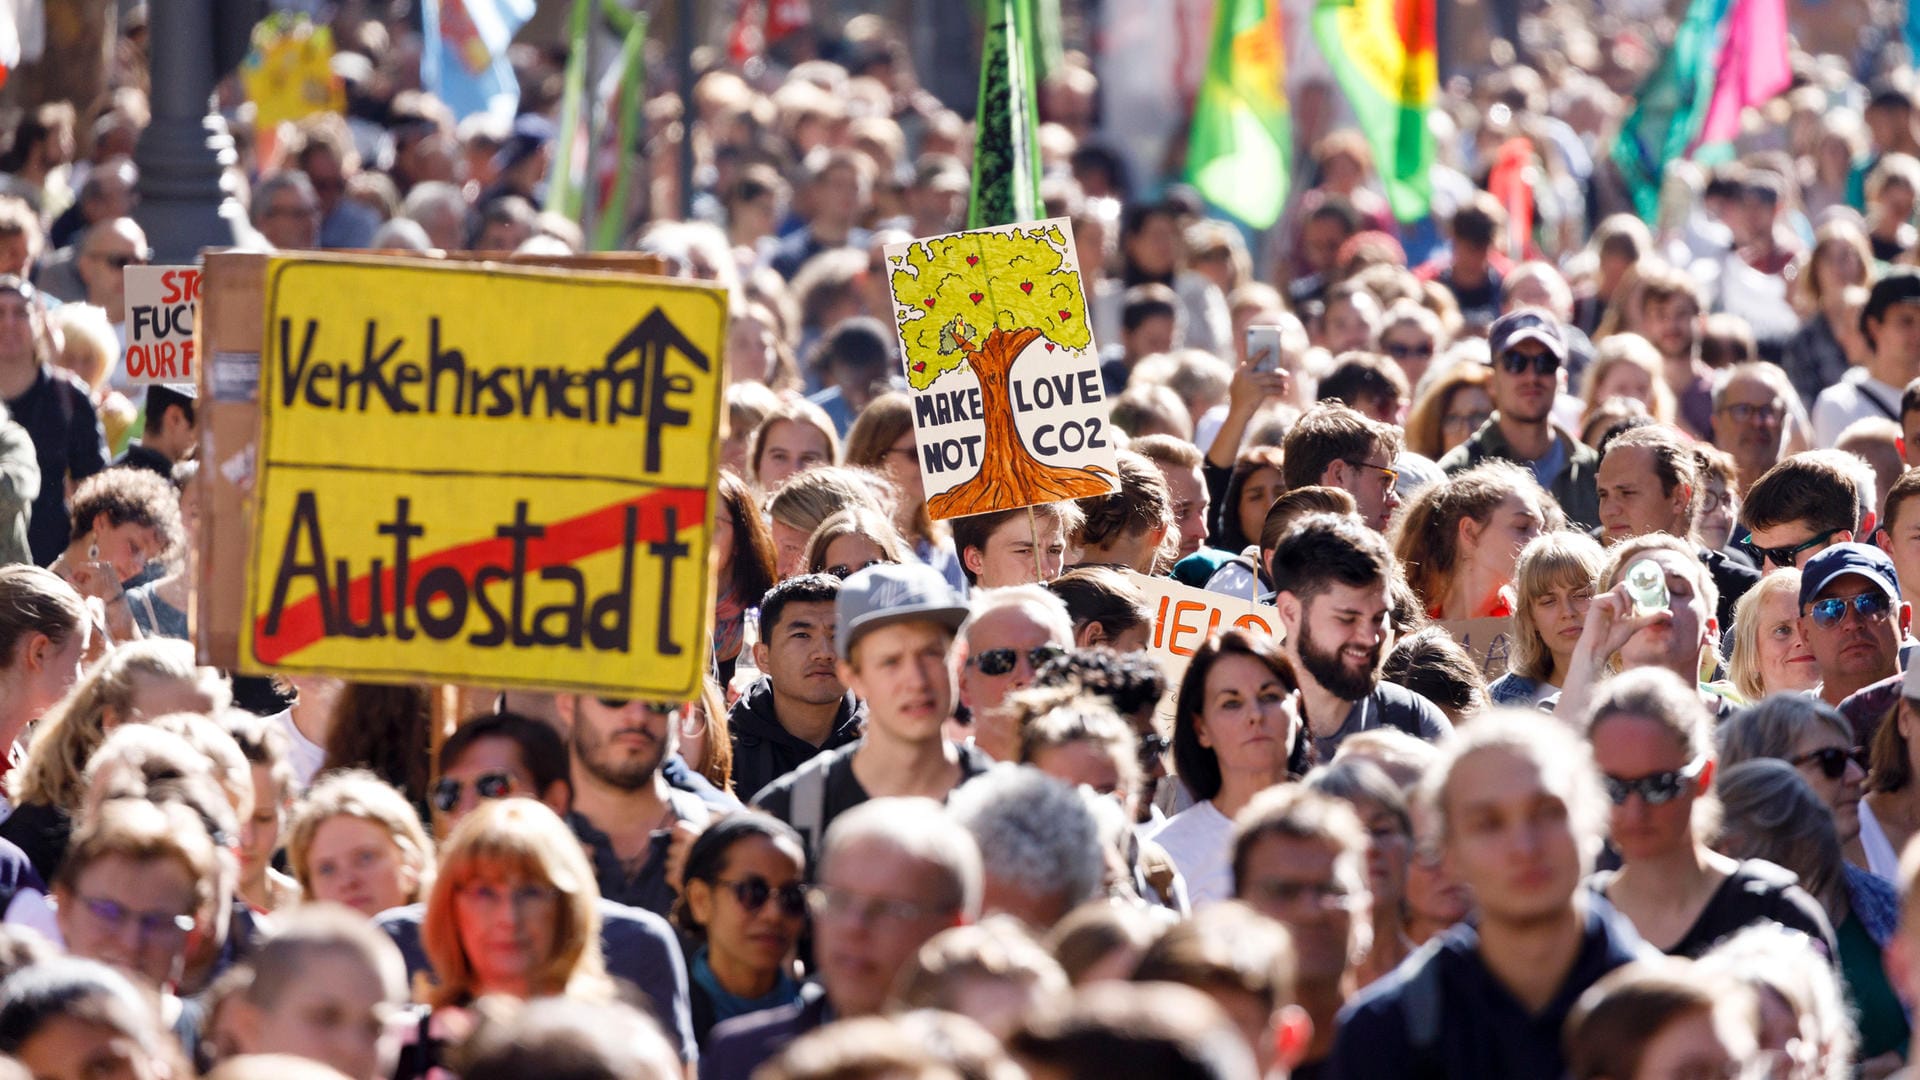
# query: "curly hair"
x,y
129,496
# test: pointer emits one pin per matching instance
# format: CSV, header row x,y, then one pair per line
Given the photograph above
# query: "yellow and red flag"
x,y
1382,51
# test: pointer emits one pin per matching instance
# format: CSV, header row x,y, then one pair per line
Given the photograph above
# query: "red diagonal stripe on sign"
x,y
565,542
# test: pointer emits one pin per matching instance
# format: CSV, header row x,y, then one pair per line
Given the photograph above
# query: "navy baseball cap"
x,y
890,593
1526,324
1863,560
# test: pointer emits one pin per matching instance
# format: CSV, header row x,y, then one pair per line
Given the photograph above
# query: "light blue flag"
x,y
464,62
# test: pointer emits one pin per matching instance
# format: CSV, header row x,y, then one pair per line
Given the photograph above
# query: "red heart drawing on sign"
x,y
928,301
920,365
975,297
1027,287
973,260
1049,346
1065,314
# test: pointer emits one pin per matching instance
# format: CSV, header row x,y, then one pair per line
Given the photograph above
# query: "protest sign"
x,y
1008,405
1184,617
485,475
1487,640
161,303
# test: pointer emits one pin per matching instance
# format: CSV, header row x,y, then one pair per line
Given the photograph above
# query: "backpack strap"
x,y
809,806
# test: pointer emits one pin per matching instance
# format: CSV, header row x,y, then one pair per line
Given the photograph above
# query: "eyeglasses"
x,y
843,571
1828,613
490,785
1783,557
1327,896
1746,414
486,896
1392,475
828,901
1401,351
1713,502
151,925
657,708
1514,362
1153,746
1002,661
1832,760
753,892
1656,790
122,261
1471,420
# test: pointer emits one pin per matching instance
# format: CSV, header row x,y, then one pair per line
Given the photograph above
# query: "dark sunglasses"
x,y
753,892
121,262
1517,363
490,785
1002,661
657,708
843,571
1832,760
1656,790
1783,556
1407,352
1828,613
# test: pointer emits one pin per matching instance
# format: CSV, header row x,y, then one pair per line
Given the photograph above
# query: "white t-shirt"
x,y
1199,840
305,755
1855,397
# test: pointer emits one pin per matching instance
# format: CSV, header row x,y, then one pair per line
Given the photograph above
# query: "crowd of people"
x,y
943,809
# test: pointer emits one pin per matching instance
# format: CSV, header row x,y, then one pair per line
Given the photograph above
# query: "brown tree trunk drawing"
x,y
1009,475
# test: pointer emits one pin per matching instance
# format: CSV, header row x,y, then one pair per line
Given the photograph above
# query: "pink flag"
x,y
1753,66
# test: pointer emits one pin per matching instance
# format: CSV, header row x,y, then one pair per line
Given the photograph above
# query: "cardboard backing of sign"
x,y
232,335
1488,641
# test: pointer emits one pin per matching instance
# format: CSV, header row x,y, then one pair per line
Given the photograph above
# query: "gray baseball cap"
x,y
890,593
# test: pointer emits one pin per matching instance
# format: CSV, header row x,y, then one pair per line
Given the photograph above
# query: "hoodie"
x,y
763,751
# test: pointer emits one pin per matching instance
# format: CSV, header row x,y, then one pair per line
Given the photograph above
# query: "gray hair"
x,y
401,234
1772,813
1040,604
1043,837
285,179
1771,727
919,829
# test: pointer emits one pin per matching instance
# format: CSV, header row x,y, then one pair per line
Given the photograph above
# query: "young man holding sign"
x,y
1331,578
1015,547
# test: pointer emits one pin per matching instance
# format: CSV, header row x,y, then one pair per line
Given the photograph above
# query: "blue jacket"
x,y
1441,1013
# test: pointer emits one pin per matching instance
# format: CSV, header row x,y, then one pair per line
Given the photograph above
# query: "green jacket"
x,y
1573,487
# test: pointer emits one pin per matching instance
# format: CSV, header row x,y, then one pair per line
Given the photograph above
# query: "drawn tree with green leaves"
x,y
978,300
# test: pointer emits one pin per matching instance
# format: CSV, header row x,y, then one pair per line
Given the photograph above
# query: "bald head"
x,y
106,250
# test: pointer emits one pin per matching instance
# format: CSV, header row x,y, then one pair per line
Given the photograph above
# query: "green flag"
x,y
1006,147
1242,134
1671,106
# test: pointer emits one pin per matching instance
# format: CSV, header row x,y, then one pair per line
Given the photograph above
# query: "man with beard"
x,y
799,707
1527,350
624,810
1332,575
904,677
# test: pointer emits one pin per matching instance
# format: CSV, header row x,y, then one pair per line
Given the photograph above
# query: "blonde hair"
x,y
1549,561
57,761
357,793
1627,348
856,521
90,345
518,836
1743,667
142,831
809,498
1426,538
